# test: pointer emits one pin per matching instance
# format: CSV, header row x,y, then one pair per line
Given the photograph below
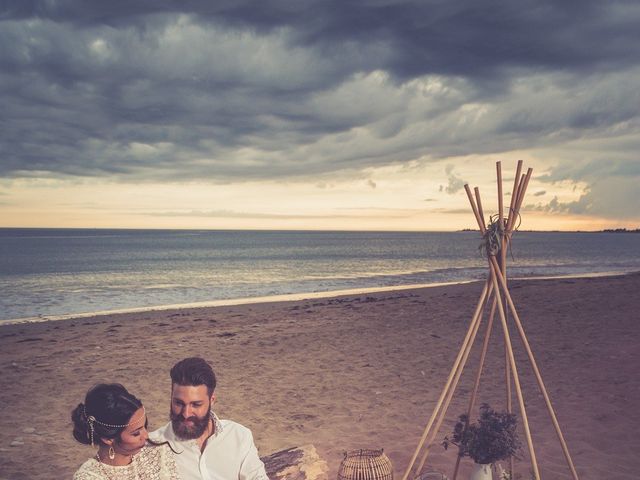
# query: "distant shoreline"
x,y
289,297
123,229
606,230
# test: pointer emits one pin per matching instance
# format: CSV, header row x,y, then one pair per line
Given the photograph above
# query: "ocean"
x,y
48,273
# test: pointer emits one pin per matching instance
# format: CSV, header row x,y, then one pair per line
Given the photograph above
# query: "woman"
x,y
115,421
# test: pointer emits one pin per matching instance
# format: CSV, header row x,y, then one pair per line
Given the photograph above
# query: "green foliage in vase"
x,y
491,439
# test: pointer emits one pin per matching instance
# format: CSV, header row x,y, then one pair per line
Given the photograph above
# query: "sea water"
x,y
54,272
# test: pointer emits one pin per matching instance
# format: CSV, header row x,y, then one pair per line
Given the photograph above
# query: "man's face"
x,y
190,407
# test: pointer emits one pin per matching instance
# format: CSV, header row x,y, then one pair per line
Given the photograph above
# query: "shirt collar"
x,y
217,425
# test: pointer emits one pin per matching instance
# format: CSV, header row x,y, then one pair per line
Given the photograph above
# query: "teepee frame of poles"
x,y
497,236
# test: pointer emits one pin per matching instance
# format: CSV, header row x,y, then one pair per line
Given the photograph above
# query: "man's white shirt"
x,y
229,453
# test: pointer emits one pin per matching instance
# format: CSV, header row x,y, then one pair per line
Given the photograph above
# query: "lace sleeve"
x,y
168,468
152,463
87,471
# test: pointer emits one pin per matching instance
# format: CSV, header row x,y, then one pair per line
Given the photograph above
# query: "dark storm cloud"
x,y
459,37
236,90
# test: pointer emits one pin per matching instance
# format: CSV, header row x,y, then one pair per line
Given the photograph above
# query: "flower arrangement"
x,y
491,439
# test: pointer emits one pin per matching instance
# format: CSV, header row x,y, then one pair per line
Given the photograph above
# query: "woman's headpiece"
x,y
91,420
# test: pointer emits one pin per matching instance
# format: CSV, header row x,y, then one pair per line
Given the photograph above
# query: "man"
x,y
207,447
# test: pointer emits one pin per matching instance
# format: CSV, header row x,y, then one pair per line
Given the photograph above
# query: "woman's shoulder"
x,y
157,460
152,450
88,471
152,462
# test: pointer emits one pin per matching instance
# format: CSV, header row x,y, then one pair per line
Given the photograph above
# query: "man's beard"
x,y
189,432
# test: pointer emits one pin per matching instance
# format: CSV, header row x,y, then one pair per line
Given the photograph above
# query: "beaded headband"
x,y
91,420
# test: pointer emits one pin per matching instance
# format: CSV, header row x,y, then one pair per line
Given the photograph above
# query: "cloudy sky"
x,y
308,114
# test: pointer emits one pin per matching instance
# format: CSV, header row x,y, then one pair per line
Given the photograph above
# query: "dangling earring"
x,y
112,453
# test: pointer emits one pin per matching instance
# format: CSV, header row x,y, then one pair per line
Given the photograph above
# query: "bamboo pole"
x,y
517,196
500,203
488,288
514,197
476,384
502,223
509,395
516,210
522,190
444,409
475,210
495,272
522,182
516,203
503,264
519,189
480,212
497,280
534,365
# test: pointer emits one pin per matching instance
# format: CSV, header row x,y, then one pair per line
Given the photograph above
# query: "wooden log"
x,y
296,463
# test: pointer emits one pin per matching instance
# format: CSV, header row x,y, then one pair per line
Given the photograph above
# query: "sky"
x,y
309,114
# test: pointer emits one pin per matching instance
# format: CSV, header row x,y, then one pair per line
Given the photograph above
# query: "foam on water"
x,y
48,273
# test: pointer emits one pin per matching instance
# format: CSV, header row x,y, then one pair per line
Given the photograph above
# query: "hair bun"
x,y
80,427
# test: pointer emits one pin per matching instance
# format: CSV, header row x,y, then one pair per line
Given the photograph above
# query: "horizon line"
x,y
328,230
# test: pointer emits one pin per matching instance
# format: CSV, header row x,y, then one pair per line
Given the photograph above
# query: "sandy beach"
x,y
357,371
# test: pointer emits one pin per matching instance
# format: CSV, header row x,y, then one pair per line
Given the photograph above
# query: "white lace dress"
x,y
151,463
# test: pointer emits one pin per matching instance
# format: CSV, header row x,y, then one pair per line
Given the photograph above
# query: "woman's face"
x,y
134,436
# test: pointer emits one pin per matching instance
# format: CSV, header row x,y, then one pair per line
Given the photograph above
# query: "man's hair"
x,y
194,371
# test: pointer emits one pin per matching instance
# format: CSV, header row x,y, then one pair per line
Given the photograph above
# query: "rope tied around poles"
x,y
492,239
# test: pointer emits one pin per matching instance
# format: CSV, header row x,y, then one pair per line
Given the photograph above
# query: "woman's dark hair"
x,y
111,405
194,371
